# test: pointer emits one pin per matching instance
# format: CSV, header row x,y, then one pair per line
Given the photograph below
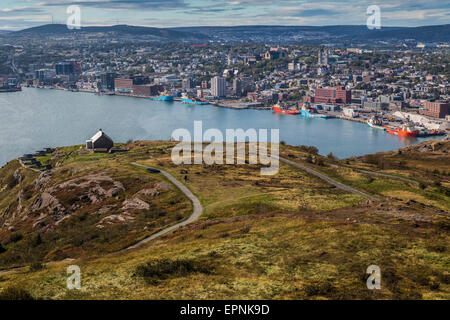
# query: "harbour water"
x,y
36,118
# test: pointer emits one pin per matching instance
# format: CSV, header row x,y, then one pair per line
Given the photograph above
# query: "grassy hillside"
x,y
288,236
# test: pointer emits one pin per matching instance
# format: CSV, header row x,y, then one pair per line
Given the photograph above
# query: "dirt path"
x,y
374,173
388,176
335,183
194,216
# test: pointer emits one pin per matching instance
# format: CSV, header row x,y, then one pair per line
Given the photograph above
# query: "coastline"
x,y
142,120
216,103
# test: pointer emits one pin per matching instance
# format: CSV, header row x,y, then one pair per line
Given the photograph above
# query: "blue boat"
x,y
164,97
309,112
186,99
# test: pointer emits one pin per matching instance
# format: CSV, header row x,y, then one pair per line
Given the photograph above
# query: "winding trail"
x,y
388,176
194,216
335,183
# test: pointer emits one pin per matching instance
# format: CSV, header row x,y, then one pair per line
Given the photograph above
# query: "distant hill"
x,y
346,33
117,30
359,33
341,30
440,33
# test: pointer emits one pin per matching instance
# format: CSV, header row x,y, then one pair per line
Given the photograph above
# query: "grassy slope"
x,y
82,232
282,237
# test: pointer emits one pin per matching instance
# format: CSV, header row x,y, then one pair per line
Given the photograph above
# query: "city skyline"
x,y
17,15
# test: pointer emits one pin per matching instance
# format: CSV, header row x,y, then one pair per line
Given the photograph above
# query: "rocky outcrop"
x,y
45,201
18,176
42,181
135,204
156,190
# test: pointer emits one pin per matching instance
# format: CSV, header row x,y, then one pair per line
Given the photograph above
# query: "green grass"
x,y
284,256
289,236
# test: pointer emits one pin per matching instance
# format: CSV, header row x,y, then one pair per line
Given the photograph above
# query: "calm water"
x,y
38,118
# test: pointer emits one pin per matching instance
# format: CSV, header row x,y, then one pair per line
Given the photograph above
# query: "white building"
x,y
218,87
349,112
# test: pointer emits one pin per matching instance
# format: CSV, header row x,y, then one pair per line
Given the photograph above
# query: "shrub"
x,y
161,269
245,229
36,266
37,240
324,289
16,237
309,149
11,182
320,162
15,293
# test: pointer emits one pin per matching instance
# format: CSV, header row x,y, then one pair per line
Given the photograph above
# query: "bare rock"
x,y
135,204
18,176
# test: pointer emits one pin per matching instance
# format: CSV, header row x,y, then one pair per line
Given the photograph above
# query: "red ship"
x,y
405,131
278,109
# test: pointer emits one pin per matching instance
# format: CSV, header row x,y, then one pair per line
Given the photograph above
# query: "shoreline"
x,y
288,123
216,103
435,139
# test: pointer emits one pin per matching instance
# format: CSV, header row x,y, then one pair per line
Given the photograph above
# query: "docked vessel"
x,y
406,130
165,96
277,108
376,123
10,88
310,112
423,132
186,99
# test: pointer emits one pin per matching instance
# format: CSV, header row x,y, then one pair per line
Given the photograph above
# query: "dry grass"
x,y
289,236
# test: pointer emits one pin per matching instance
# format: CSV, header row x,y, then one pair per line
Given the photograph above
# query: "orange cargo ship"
x,y
405,131
278,109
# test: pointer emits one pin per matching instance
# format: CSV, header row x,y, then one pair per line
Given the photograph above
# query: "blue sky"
x,y
19,14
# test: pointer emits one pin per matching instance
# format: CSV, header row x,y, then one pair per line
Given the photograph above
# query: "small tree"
x,y
331,156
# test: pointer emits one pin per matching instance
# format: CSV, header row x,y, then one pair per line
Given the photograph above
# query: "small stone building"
x,y
99,142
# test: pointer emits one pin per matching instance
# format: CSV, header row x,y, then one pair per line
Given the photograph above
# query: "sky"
x,y
21,14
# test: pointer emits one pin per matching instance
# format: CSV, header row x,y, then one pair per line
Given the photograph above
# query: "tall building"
x,y
64,68
107,80
45,74
322,57
218,87
336,95
186,84
67,68
437,109
147,90
123,85
237,87
275,54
